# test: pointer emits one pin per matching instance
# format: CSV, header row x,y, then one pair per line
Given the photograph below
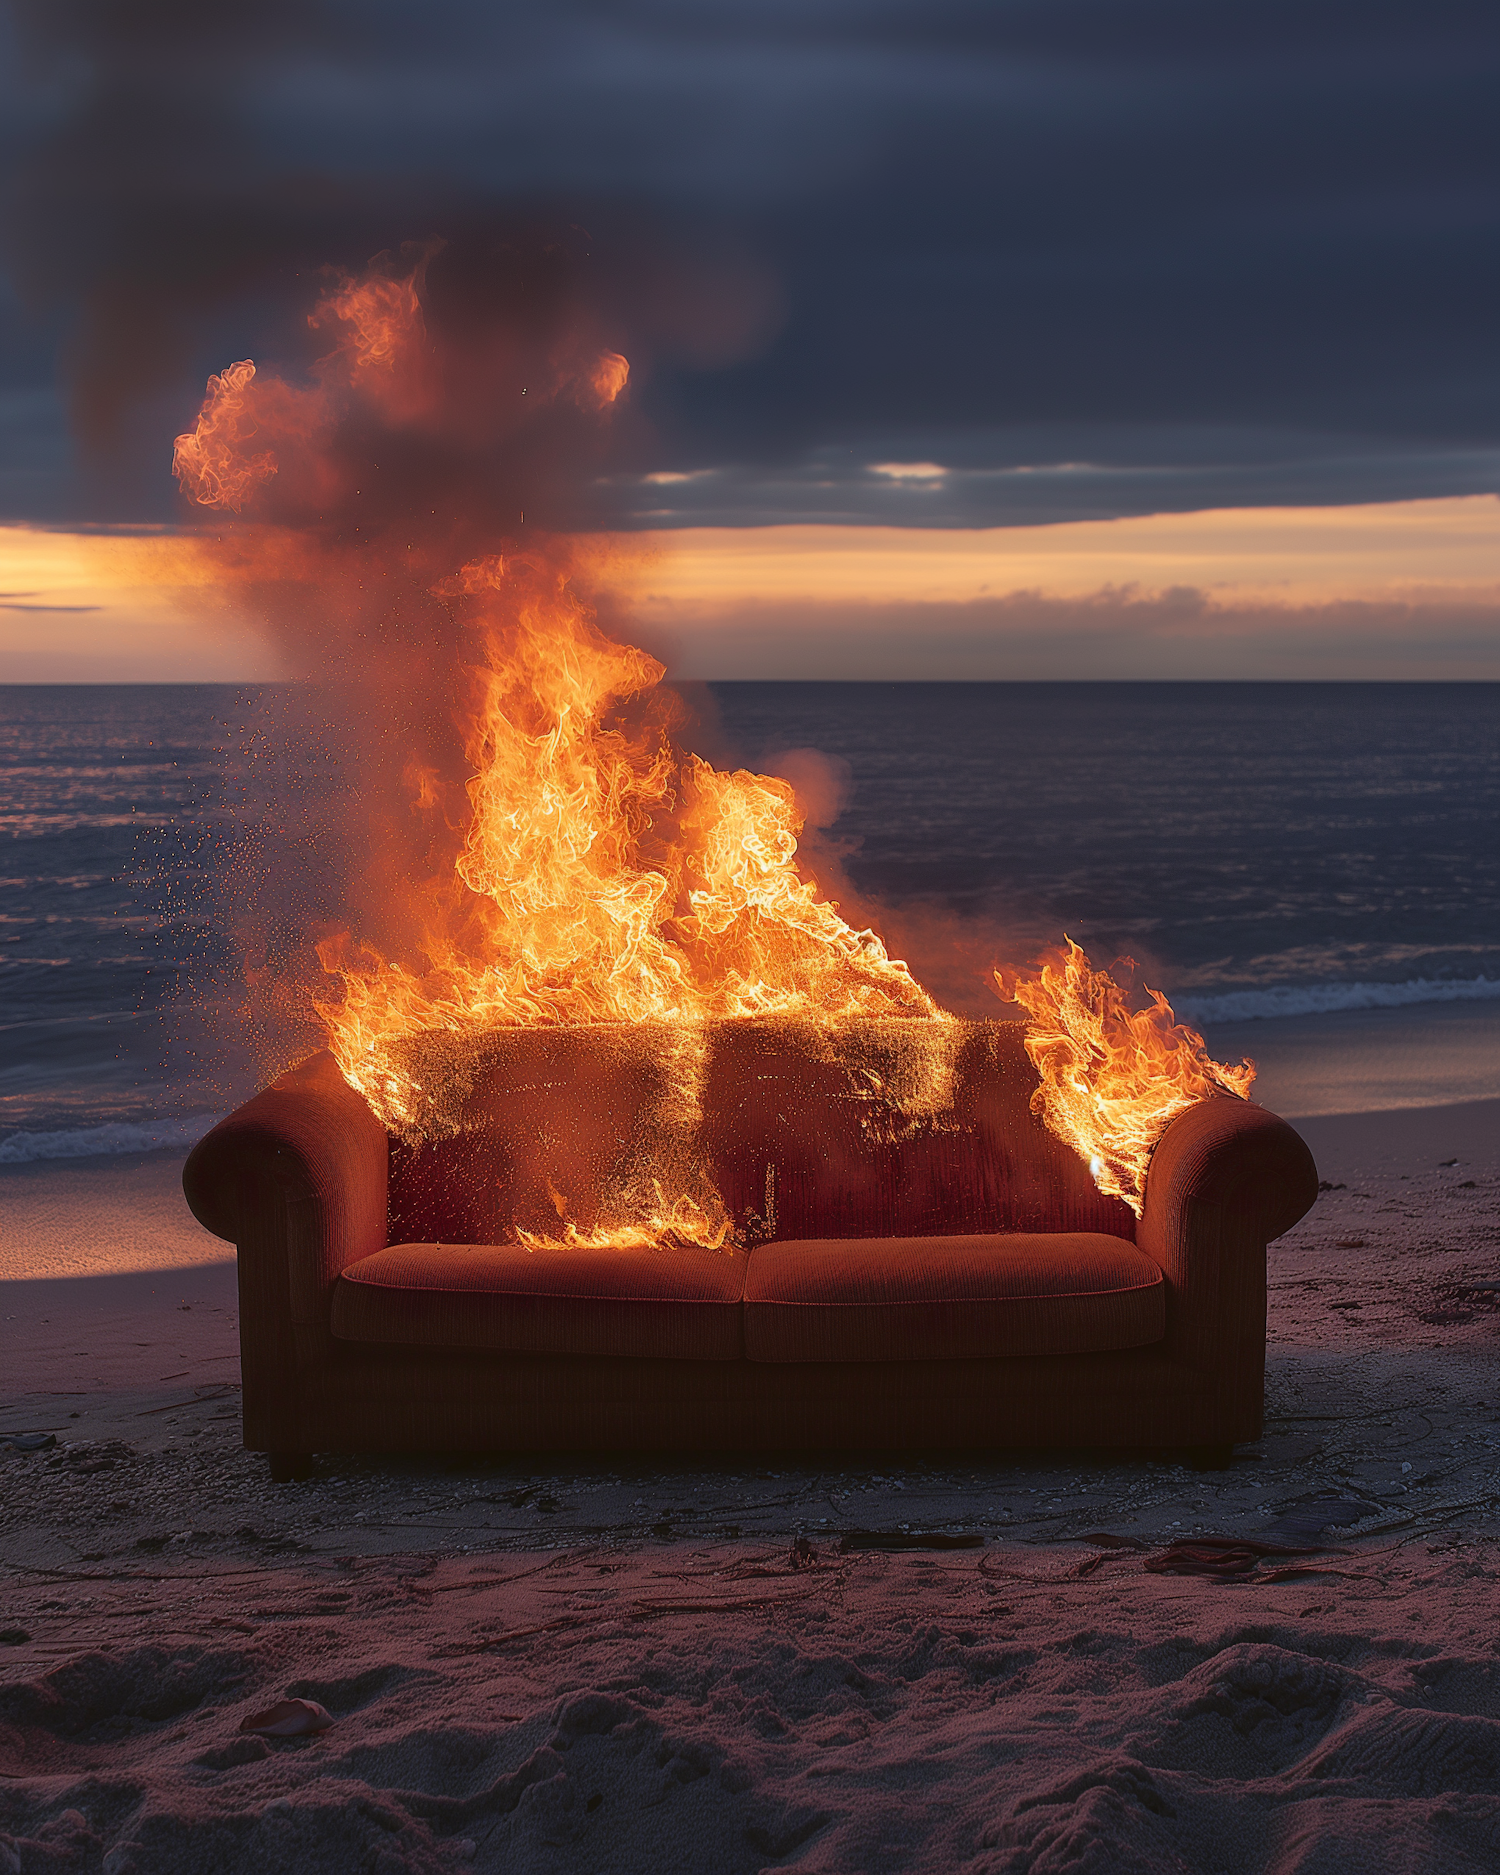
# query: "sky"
x,y
989,339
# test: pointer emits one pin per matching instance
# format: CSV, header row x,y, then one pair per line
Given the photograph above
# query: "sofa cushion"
x,y
662,1304
950,1298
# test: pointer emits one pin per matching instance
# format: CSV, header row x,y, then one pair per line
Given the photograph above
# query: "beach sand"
x,y
618,1666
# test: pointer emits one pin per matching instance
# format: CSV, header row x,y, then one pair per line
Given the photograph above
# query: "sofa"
x,y
928,1272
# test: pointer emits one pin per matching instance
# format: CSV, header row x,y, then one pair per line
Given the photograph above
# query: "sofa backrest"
x,y
877,1129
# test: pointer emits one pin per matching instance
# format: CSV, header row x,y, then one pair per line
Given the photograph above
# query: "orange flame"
x,y
608,377
610,876
604,875
214,461
594,872
1112,1077
383,317
660,1220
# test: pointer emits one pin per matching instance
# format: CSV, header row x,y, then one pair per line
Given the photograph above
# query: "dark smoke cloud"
x,y
1152,243
156,230
138,205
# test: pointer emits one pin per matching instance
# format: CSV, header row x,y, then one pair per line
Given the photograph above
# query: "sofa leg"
x,y
290,1467
1210,1457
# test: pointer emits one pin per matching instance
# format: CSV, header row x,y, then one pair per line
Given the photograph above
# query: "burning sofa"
x,y
899,1273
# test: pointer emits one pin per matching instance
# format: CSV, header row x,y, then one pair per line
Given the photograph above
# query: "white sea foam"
x,y
1322,999
87,1142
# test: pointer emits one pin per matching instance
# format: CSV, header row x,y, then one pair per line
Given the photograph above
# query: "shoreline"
x,y
123,1214
1311,1066
1368,1060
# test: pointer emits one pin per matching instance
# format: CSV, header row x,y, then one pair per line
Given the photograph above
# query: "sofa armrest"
x,y
1226,1178
296,1180
1240,1158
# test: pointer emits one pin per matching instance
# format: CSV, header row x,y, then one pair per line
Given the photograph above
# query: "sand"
x,y
620,1666
108,1284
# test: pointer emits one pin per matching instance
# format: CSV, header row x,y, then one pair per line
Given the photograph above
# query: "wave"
x,y
1322,999
87,1142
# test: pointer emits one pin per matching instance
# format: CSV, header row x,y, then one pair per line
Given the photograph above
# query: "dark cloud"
x,y
1047,473
1090,259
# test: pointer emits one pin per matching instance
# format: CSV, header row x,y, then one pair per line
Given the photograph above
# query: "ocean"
x,y
1310,871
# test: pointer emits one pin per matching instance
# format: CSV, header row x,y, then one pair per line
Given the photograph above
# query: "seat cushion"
x,y
950,1298
657,1304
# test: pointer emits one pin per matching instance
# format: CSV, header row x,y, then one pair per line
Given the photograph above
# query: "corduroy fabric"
x,y
950,1298
297,1180
1226,1178
647,1304
422,1400
798,1141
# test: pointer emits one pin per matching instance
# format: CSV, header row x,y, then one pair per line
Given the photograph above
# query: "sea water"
x,y
1310,871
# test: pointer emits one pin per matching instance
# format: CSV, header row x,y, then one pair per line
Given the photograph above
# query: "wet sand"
x,y
1426,1056
617,1666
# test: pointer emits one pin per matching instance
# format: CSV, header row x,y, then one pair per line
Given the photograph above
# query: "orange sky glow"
x,y
1407,589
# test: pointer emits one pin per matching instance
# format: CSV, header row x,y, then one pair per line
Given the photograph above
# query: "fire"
x,y
609,877
589,871
216,459
1112,1077
608,377
383,318
605,875
659,1220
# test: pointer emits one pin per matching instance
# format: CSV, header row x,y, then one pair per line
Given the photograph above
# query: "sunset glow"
x,y
125,606
115,608
1292,556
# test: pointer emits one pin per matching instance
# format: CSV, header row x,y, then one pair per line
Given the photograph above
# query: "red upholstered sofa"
x,y
950,1280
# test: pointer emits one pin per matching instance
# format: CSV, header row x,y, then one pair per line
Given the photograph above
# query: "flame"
x,y
608,377
214,461
608,876
383,318
589,871
660,1220
1112,1078
603,874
